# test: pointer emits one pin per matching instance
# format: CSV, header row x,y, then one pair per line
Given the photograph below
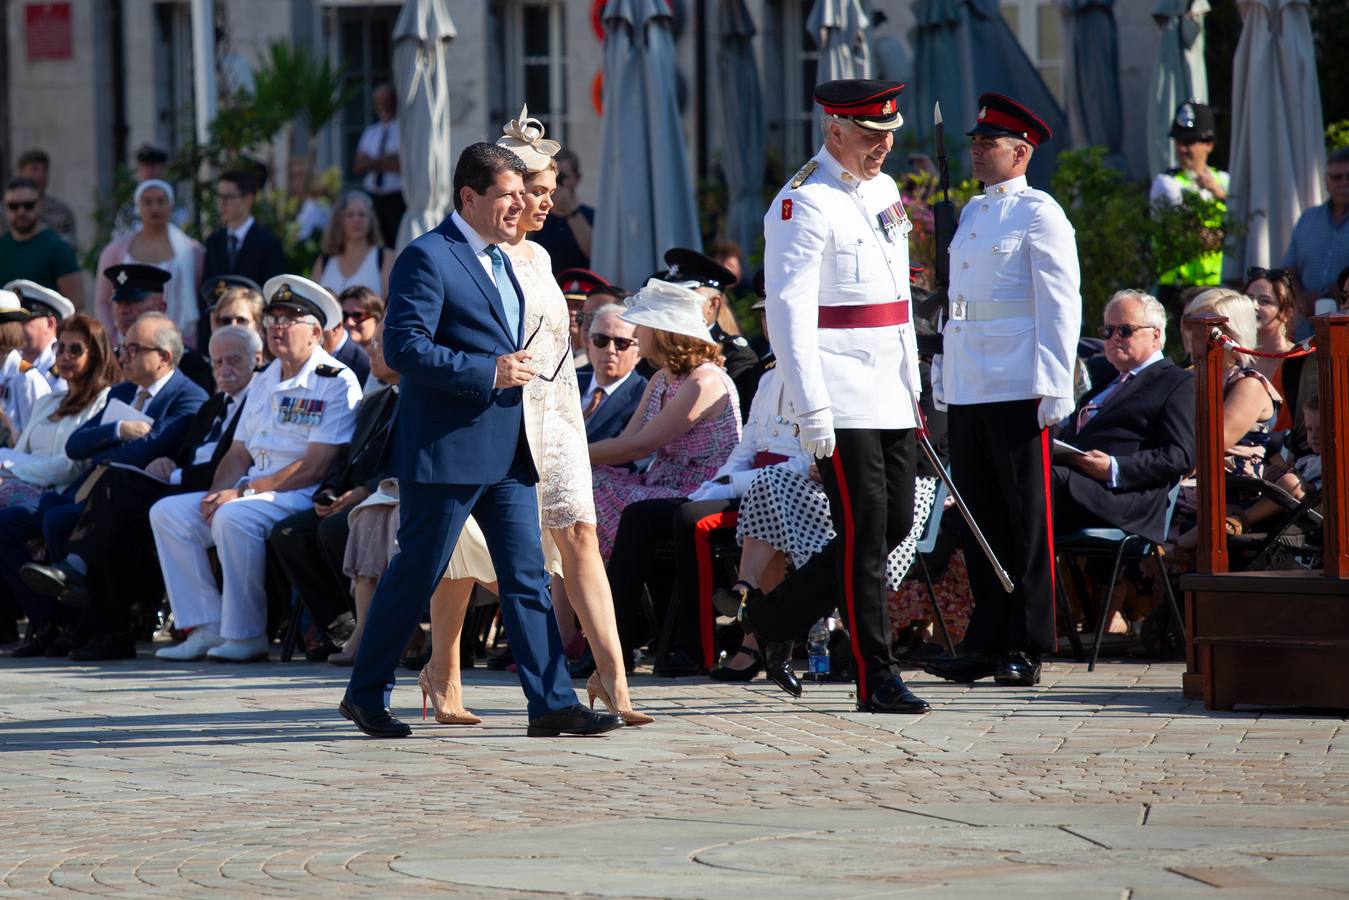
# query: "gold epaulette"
x,y
800,177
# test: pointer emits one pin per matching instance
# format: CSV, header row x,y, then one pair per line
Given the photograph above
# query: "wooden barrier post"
x,y
1210,371
1332,364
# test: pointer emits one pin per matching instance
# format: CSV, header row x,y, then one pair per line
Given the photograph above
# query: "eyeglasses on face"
x,y
131,351
566,353
1125,331
74,349
235,320
620,344
356,318
1255,272
283,322
25,205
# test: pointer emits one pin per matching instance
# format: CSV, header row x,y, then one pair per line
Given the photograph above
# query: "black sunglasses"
x,y
74,349
620,344
1125,331
25,205
566,355
1254,272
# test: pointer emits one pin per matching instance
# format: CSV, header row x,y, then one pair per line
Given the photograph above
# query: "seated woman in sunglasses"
x,y
1275,310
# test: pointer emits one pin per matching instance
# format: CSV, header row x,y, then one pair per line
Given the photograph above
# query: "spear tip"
x,y
936,113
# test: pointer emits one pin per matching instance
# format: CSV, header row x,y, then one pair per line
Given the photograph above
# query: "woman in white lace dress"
x,y
557,437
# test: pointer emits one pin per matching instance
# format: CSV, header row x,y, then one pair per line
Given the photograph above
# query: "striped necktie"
x,y
1088,412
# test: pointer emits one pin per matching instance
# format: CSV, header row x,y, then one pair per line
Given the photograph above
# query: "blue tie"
x,y
510,300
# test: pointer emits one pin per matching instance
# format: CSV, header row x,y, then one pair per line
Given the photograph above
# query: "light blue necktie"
x,y
510,300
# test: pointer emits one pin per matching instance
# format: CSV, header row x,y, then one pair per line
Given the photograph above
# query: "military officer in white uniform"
x,y
836,265
21,386
301,410
1006,375
46,310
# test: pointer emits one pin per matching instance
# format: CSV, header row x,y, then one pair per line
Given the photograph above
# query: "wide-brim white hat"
x,y
524,137
50,302
300,293
11,310
666,306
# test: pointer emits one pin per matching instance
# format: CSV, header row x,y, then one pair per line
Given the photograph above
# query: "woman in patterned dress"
x,y
556,432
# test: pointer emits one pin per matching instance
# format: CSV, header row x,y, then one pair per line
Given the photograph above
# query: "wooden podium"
x,y
1269,638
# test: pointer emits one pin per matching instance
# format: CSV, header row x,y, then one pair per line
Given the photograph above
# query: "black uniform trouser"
x,y
645,527
1000,463
869,482
309,551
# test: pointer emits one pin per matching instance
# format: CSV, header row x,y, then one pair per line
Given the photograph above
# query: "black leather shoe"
x,y
105,647
583,666
724,672
1018,669
965,669
893,696
677,664
572,720
378,723
731,602
36,643
777,665
64,643
57,580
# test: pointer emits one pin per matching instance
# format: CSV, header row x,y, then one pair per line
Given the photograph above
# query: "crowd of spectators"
x,y
201,453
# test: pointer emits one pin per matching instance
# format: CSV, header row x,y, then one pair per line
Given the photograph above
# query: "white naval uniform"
x,y
769,429
276,428
824,246
1015,300
20,387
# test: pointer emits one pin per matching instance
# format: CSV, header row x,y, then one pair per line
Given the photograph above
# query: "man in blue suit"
x,y
610,386
452,330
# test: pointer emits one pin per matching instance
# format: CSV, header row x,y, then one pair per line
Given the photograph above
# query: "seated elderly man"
x,y
610,388
1137,431
110,561
302,410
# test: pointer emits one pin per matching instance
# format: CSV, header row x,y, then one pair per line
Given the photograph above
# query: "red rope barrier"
x,y
1303,348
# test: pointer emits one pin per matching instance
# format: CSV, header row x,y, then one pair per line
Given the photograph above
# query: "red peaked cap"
x,y
578,284
871,103
1003,115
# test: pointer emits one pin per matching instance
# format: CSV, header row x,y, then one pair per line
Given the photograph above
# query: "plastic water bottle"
x,y
817,646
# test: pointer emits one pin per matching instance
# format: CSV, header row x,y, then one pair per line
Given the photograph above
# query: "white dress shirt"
x,y
476,242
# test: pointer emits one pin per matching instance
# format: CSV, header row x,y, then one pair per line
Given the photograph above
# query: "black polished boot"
x,y
1019,668
893,696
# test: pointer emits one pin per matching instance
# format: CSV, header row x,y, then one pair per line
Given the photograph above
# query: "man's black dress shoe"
x,y
1018,669
965,669
572,720
374,722
57,580
893,696
64,643
583,666
676,664
105,647
35,644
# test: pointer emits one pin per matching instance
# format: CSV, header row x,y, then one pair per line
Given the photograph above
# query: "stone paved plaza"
x,y
144,778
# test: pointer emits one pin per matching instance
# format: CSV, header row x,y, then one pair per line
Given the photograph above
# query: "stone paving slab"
x,y
138,778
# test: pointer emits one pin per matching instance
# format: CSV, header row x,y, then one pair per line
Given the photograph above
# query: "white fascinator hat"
x,y
524,136
667,306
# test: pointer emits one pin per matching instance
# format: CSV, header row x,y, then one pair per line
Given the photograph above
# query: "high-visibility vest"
x,y
1207,268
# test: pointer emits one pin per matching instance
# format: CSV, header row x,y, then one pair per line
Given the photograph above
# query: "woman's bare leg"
x,y
363,591
593,604
449,604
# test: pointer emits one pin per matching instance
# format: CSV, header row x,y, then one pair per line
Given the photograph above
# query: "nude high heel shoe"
x,y
595,689
448,709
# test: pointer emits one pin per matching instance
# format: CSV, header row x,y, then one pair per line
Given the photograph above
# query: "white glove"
x,y
1052,410
710,490
816,433
938,394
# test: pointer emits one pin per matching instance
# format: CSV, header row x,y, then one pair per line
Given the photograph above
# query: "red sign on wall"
x,y
47,31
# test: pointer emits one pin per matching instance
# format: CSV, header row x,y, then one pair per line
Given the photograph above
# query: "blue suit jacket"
x,y
172,409
443,331
613,415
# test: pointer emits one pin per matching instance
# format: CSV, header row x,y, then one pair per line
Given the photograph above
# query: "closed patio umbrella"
x,y
1278,150
1178,75
646,199
1093,86
742,143
938,76
839,28
420,37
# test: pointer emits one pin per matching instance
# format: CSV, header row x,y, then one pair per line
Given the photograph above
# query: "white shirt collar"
x,y
1005,188
476,242
1156,357
158,386
607,388
241,395
242,231
835,168
303,378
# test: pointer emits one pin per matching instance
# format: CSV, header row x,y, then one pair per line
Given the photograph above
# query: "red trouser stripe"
x,y
702,542
1046,454
846,529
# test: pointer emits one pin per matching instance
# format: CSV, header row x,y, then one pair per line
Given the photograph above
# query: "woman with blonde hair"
x,y
353,248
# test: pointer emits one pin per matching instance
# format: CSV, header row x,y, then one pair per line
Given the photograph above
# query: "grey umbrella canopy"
x,y
1278,149
996,62
420,37
1093,88
742,144
938,75
646,199
1178,75
839,28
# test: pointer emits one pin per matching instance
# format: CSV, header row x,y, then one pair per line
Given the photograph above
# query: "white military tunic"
x,y
280,419
825,245
1015,301
21,386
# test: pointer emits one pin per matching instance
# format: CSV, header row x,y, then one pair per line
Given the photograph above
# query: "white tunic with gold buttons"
x,y
1015,301
826,246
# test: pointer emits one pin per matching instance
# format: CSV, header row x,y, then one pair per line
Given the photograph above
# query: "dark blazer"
x,y
172,409
443,331
361,461
613,415
260,257
353,356
1148,426
198,476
